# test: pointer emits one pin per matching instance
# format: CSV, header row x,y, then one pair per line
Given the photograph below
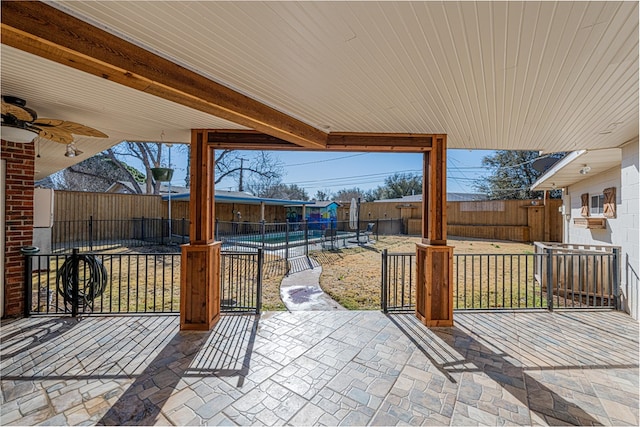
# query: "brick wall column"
x,y
20,161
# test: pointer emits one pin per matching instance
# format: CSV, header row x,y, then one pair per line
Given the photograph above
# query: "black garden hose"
x,y
92,279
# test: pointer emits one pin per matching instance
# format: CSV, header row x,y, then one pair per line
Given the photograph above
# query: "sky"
x,y
334,171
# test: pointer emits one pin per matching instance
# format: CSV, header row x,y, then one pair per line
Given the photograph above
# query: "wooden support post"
x,y
434,295
200,271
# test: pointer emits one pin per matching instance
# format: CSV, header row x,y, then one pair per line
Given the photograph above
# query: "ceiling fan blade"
x,y
49,122
71,127
55,134
17,112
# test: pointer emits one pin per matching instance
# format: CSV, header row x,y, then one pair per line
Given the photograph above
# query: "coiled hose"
x,y
92,279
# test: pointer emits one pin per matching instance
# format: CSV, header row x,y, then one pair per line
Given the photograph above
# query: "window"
x,y
597,204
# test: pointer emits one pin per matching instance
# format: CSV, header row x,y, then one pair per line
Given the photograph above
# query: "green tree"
x,y
283,191
398,185
512,175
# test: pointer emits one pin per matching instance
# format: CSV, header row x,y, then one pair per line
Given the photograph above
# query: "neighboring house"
x,y
241,207
601,206
451,197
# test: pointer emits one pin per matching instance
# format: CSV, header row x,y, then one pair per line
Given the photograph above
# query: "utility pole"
x,y
240,186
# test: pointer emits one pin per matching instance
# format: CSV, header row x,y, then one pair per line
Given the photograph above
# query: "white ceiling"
x,y
568,170
551,76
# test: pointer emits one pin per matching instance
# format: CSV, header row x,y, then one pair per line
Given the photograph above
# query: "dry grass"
x,y
352,276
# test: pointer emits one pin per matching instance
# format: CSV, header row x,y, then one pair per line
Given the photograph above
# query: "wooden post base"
x,y
434,290
200,286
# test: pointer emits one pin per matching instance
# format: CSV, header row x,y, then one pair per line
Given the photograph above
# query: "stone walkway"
x,y
301,291
309,368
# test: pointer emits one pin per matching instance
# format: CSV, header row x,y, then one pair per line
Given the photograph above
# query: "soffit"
x,y
550,76
568,170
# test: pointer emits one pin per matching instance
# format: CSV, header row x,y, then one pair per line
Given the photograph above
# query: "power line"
x,y
325,160
357,177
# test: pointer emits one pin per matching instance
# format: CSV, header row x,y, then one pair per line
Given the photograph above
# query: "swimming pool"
x,y
279,240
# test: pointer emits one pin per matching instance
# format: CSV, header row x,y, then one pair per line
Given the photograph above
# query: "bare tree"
x,y
284,191
322,195
346,194
149,153
259,169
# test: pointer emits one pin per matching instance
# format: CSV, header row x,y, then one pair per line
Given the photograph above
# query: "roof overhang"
x,y
248,200
576,166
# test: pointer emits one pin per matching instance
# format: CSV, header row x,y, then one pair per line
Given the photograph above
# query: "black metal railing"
x,y
283,235
398,287
289,238
546,280
99,234
496,281
100,283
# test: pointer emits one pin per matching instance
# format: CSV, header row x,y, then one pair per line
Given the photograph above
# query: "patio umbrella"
x,y
353,214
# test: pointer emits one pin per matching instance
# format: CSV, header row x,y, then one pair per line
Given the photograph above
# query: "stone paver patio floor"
x,y
341,367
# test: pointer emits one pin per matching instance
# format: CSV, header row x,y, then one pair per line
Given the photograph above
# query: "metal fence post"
x,y
162,230
259,281
383,297
183,226
142,229
549,279
306,238
616,277
91,232
286,242
262,232
28,252
75,282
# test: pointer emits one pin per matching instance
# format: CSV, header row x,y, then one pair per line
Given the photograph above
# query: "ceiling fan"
x,y
21,124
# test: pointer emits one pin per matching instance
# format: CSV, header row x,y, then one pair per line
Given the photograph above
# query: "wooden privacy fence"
x,y
80,205
516,220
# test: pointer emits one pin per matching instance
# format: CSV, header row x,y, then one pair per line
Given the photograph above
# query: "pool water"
x,y
279,238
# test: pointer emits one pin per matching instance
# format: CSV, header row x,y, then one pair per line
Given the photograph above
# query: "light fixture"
x,y
585,170
72,151
17,134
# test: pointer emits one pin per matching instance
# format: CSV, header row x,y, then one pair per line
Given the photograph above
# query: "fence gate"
x,y
241,281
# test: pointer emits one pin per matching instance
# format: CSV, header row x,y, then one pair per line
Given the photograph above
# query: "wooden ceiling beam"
x,y
45,31
365,142
381,142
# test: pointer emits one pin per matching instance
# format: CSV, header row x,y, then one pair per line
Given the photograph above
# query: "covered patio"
x,y
353,368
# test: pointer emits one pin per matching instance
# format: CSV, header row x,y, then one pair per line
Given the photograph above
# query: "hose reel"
x,y
92,279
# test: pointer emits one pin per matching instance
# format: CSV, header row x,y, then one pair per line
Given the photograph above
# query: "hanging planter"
x,y
162,174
